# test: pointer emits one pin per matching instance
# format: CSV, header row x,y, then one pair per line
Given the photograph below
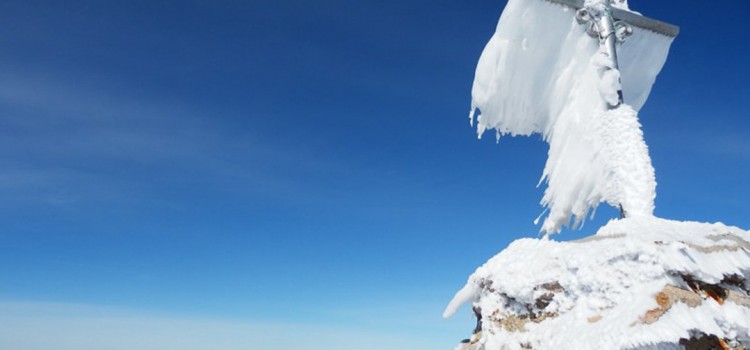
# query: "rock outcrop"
x,y
639,283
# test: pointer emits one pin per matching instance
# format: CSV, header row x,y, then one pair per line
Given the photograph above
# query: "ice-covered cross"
x,y
541,72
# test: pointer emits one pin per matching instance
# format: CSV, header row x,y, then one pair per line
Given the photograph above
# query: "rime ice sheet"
x,y
536,75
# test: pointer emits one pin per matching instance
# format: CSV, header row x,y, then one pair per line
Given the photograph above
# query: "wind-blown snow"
x,y
540,73
598,291
623,4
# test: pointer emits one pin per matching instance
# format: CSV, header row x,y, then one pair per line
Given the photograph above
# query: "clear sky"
x,y
285,174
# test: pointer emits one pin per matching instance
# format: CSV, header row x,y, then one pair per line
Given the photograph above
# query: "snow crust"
x,y
603,286
540,73
622,4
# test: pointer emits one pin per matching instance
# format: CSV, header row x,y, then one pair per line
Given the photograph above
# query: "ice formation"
x,y
541,73
639,283
623,4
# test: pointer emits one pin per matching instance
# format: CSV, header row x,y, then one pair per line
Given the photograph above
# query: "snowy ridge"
x,y
529,81
638,283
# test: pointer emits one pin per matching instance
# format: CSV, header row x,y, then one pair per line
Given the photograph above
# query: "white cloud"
x,y
44,326
67,143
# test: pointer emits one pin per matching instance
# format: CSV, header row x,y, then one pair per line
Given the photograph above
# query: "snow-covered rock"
x,y
638,283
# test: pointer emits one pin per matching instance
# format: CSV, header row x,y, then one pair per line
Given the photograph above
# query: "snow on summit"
x,y
639,283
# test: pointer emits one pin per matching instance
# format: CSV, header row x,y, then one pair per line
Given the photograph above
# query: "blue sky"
x,y
278,173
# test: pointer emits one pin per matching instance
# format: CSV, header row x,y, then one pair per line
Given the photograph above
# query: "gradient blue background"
x,y
306,162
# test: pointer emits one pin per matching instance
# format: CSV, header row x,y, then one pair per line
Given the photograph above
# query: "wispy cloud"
x,y
63,142
712,140
43,326
734,144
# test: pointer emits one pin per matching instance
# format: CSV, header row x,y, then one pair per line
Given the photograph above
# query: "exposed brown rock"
x,y
666,298
709,342
738,298
739,244
692,298
514,323
552,287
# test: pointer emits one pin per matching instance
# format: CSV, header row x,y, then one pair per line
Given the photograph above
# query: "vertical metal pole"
x,y
608,40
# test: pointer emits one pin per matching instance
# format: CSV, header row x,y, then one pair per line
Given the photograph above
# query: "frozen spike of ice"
x,y
463,296
539,73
